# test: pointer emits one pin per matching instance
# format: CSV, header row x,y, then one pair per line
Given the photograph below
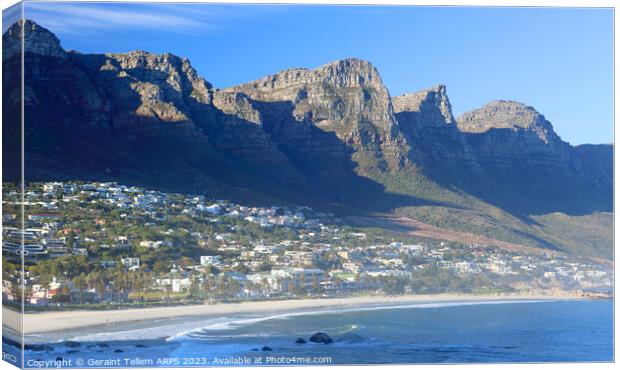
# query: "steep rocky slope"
x,y
517,146
345,99
510,136
426,120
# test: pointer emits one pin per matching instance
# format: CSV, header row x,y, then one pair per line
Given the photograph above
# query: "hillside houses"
x,y
194,246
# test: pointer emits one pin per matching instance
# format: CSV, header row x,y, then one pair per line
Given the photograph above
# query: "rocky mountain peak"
x,y
350,72
427,121
338,94
345,97
506,114
37,40
145,59
160,69
432,100
500,114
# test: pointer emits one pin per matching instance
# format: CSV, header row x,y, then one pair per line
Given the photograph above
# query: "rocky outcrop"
x,y
37,40
436,142
139,115
345,99
432,103
594,162
520,153
511,139
146,89
338,96
321,337
506,114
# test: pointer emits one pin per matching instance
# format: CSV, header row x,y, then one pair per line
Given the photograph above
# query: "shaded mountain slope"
x,y
330,137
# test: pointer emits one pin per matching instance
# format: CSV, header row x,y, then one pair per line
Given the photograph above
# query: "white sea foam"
x,y
150,332
239,322
213,327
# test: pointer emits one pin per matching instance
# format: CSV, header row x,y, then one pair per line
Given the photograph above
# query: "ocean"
x,y
456,332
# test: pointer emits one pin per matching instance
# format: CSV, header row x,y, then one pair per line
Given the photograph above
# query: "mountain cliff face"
x,y
138,116
517,146
510,137
345,100
426,120
331,137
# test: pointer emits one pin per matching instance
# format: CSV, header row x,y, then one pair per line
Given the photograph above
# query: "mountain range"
x,y
331,137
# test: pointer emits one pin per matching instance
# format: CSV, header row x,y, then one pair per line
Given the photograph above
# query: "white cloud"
x,y
84,18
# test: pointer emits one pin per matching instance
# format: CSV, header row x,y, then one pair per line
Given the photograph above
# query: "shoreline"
x,y
59,321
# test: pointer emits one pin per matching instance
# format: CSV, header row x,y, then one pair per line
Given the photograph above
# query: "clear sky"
x,y
558,60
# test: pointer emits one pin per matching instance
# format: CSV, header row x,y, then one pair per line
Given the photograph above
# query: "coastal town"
x,y
90,244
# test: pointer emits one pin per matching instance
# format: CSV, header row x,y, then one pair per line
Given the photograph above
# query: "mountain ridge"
x,y
331,136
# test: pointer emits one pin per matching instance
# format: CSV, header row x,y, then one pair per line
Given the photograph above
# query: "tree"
x,y
160,267
81,284
45,284
121,284
211,270
316,286
194,287
141,281
97,280
186,261
395,286
337,282
63,296
168,288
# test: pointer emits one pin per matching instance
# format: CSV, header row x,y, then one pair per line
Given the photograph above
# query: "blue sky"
x,y
558,60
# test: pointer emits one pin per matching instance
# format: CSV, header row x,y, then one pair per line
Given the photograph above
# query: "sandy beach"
x,y
47,322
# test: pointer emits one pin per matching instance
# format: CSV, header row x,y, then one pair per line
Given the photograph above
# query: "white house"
x,y
130,262
209,260
214,209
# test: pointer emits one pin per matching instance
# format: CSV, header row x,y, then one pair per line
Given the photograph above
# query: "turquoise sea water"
x,y
558,331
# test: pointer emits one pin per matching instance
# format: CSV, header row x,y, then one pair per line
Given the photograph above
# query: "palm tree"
x,y
265,285
168,291
81,283
96,280
146,279
194,286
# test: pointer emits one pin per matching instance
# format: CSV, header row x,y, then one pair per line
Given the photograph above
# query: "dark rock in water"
x,y
321,338
58,358
118,351
300,341
254,349
140,346
267,349
72,344
72,351
103,345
